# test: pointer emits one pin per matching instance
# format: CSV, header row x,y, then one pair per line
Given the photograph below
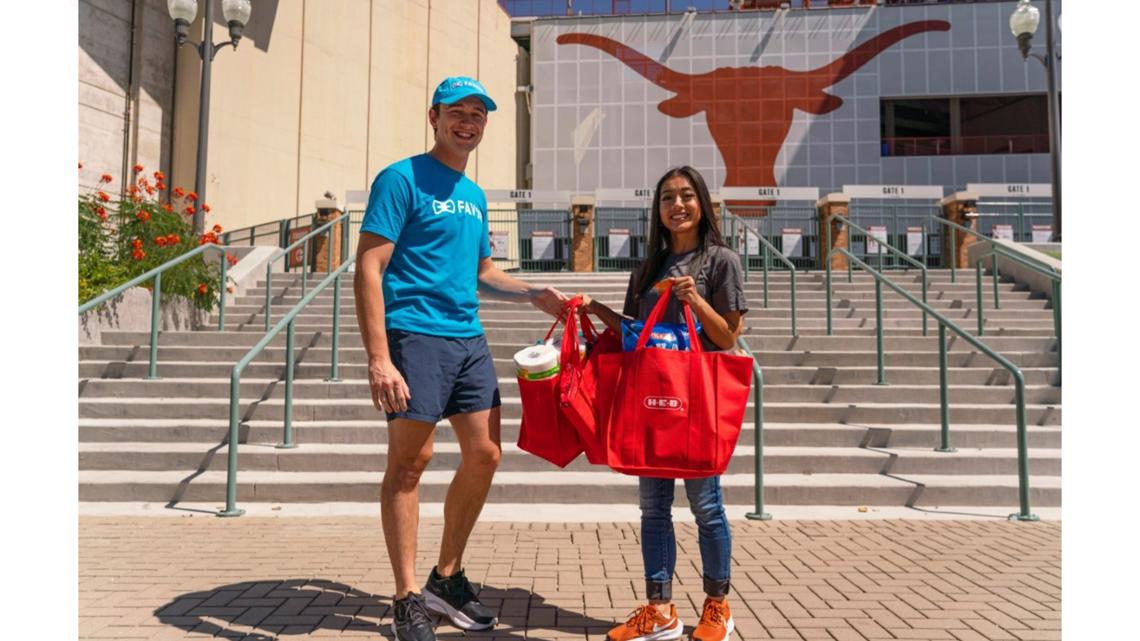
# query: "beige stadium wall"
x,y
336,92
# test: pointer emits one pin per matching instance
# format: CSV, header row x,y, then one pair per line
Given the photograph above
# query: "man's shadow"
x,y
271,608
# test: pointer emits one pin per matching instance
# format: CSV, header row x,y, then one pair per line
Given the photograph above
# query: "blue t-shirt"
x,y
437,218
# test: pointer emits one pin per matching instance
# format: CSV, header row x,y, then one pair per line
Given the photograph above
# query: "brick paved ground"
x,y
301,578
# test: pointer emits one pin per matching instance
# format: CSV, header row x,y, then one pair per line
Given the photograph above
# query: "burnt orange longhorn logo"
x,y
749,109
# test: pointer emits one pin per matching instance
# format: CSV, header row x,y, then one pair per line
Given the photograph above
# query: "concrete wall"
x,y
319,96
125,88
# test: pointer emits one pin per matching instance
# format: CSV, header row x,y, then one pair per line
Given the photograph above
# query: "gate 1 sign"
x,y
619,243
793,242
913,241
500,243
877,234
1042,233
1004,232
542,245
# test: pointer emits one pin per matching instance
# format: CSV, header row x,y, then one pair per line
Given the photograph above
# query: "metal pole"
x,y
232,447
206,52
333,373
305,270
953,233
943,391
794,332
879,330
1022,451
981,313
997,296
222,294
1057,320
827,268
155,317
329,266
764,249
924,288
758,450
288,443
1054,121
269,290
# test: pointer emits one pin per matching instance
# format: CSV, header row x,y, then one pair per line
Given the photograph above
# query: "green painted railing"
x,y
156,297
286,323
758,422
878,309
769,249
1018,378
1021,259
303,241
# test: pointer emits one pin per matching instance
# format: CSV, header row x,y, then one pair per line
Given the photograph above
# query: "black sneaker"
x,y
410,620
454,598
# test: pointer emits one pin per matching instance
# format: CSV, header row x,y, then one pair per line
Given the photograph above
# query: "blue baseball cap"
x,y
456,88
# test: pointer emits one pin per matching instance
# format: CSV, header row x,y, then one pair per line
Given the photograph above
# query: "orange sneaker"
x,y
647,624
716,622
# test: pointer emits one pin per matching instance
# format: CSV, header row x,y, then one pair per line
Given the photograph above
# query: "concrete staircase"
x,y
832,437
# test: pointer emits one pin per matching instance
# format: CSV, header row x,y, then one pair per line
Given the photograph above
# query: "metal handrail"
x,y
286,323
156,297
1027,261
302,241
878,311
1015,372
758,424
769,249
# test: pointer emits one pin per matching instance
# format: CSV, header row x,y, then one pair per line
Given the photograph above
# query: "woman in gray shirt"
x,y
685,247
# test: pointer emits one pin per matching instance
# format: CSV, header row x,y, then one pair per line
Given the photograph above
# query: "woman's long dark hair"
x,y
660,243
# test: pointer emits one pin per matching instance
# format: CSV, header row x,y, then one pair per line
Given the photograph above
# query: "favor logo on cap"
x,y
456,88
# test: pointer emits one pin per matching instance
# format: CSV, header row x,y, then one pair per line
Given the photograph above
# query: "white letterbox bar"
x,y
991,190
774,193
894,192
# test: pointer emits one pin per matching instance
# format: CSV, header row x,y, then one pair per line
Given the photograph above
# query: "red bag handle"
x,y
659,310
564,315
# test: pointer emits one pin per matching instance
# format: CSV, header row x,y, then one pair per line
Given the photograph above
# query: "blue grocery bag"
x,y
674,336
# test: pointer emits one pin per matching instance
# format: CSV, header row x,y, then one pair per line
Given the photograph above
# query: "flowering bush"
x,y
122,238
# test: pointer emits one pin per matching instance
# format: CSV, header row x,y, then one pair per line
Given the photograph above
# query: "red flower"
x,y
233,260
159,176
178,191
161,186
189,211
230,290
168,208
192,196
205,208
143,215
104,197
160,241
137,168
209,237
138,254
133,190
202,289
105,178
217,229
173,239
102,212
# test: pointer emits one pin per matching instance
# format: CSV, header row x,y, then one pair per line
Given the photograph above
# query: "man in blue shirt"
x,y
424,251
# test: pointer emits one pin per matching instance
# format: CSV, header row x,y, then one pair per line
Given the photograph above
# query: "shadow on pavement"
x,y
275,608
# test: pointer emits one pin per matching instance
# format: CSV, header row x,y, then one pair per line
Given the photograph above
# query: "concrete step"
x,y
371,457
118,356
927,490
778,434
773,375
509,387
362,409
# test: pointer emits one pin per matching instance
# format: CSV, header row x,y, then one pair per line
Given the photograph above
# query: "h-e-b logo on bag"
x,y
663,403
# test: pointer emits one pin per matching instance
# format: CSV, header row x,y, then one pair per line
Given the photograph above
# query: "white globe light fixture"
x,y
183,13
1023,23
236,13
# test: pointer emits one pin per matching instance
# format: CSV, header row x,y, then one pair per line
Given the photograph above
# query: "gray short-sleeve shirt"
x,y
720,282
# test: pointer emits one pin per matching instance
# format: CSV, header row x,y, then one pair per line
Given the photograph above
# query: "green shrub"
x,y
121,238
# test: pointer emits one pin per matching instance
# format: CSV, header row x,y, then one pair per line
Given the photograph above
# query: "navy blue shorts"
x,y
446,376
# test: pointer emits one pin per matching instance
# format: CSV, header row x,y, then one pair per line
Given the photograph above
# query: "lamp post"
x,y
1023,24
183,12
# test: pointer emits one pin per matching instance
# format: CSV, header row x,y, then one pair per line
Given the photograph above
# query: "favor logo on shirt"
x,y
450,206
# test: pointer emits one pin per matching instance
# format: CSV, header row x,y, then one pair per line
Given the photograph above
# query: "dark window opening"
x,y
1009,124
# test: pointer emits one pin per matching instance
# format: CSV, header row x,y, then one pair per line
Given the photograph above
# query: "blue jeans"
x,y
659,545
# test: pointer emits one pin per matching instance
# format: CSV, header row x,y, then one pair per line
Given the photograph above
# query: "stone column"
x,y
830,205
582,234
327,211
960,208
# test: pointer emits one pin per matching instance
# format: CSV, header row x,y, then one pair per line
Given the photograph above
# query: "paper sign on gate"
x,y
876,234
752,242
619,243
542,245
1003,232
793,242
913,241
500,243
1042,233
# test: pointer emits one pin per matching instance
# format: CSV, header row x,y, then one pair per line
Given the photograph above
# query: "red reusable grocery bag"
x,y
579,390
544,430
671,414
